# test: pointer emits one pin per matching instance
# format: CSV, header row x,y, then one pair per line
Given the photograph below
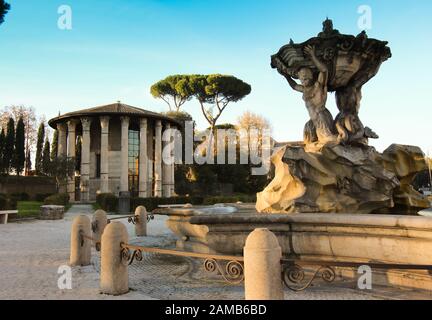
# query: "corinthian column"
x,y
62,139
143,160
124,176
158,160
85,159
166,168
71,154
104,169
172,180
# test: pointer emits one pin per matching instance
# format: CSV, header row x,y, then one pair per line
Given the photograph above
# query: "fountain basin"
x,y
365,239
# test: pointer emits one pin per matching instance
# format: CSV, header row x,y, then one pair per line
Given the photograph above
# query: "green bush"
x,y
59,199
40,197
7,203
107,201
21,196
3,202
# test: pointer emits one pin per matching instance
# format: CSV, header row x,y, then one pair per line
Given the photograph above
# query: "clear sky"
x,y
117,49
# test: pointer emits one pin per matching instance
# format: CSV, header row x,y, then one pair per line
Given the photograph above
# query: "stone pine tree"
x,y
54,145
4,8
214,93
46,157
173,90
19,150
9,145
2,145
39,148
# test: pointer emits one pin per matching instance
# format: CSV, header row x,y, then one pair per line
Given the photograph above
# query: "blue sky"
x,y
117,49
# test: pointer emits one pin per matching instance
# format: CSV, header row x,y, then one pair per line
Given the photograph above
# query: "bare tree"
x,y
249,121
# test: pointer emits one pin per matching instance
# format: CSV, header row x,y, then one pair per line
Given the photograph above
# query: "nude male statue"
x,y
321,127
348,98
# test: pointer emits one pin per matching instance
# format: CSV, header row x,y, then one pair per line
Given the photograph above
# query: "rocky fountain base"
x,y
344,179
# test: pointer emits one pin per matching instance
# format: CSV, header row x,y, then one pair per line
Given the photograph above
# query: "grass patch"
x,y
28,208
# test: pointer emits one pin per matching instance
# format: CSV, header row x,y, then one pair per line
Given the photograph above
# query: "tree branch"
x,y
204,112
166,101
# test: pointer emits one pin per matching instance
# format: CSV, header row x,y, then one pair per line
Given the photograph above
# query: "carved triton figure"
x,y
332,62
348,124
320,127
348,98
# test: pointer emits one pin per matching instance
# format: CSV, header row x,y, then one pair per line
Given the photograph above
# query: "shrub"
x,y
153,203
21,196
3,202
40,197
59,199
7,203
107,201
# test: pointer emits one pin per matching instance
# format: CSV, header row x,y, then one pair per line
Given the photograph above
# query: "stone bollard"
x,y
99,223
262,266
114,273
80,253
141,224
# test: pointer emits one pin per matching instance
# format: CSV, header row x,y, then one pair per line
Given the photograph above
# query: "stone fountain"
x,y
333,196
335,170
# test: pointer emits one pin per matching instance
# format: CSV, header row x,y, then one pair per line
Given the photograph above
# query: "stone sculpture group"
x,y
335,169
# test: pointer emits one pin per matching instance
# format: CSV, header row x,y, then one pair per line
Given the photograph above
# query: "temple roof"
x,y
117,109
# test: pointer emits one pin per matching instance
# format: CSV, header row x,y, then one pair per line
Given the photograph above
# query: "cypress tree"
x,y
28,162
19,150
39,148
46,157
9,145
2,145
54,145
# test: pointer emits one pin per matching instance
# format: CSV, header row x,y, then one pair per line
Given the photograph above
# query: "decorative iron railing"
x,y
233,272
294,270
133,218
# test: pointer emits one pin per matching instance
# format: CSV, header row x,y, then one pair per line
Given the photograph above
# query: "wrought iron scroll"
x,y
133,219
293,276
232,273
127,258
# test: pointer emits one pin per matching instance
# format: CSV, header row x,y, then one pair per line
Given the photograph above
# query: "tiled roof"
x,y
117,109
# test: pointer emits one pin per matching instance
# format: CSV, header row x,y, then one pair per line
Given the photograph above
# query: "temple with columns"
x,y
120,153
